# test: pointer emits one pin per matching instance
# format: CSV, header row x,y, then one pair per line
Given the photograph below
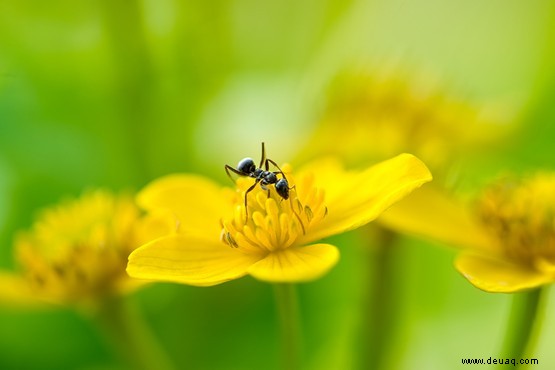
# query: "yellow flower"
x,y
274,239
370,116
509,232
76,252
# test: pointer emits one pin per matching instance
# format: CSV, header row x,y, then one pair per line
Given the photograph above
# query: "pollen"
x,y
521,215
270,223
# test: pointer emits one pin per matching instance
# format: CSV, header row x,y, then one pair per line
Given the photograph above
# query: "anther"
x,y
308,213
59,270
228,239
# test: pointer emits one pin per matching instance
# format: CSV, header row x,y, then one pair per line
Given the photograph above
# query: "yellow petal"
x,y
354,199
197,202
431,213
156,223
15,291
189,260
545,265
498,275
296,264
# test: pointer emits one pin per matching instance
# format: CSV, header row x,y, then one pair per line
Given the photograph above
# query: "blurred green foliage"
x,y
114,93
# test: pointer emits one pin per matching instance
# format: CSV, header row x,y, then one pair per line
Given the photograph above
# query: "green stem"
x,y
125,329
123,21
380,304
288,311
523,324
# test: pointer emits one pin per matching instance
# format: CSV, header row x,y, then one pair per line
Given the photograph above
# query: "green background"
x,y
116,93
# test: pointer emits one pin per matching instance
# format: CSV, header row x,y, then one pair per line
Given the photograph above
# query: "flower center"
x,y
81,272
404,114
79,249
522,217
270,222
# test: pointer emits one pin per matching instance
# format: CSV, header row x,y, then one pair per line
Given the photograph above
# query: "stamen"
x,y
284,229
261,200
80,276
269,222
308,213
263,239
38,279
59,270
227,238
300,222
246,244
273,217
520,216
79,249
299,205
259,220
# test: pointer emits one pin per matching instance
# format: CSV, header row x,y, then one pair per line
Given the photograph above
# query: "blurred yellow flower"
x,y
509,232
369,116
216,242
76,252
374,113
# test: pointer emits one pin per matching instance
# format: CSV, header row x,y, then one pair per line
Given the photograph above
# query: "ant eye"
x,y
246,166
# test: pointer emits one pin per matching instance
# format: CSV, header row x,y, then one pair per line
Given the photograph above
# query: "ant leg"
x,y
229,168
263,158
275,165
296,214
246,193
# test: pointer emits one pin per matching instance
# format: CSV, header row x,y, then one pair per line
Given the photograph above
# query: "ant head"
x,y
282,188
246,166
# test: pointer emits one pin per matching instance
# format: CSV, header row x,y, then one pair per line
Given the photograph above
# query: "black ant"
x,y
265,177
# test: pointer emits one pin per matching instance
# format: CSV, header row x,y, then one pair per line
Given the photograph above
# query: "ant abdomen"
x,y
246,166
